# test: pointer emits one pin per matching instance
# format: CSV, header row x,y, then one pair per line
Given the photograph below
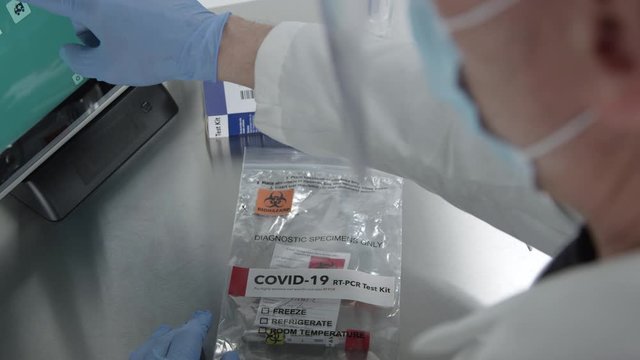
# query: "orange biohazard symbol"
x,y
274,202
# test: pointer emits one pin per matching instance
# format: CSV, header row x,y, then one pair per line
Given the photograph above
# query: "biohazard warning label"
x,y
274,202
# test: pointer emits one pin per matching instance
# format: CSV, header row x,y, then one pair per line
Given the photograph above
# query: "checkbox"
x,y
262,330
264,311
264,321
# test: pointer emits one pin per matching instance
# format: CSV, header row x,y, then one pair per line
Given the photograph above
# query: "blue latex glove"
x,y
231,355
183,343
141,42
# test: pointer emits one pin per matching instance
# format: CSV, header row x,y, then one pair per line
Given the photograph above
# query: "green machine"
x,y
34,80
62,135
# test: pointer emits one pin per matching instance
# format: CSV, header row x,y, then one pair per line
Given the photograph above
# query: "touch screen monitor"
x,y
34,78
42,101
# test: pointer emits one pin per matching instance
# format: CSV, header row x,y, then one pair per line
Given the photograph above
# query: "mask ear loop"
x,y
562,136
478,15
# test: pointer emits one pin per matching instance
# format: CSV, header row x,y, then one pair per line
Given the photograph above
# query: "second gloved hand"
x,y
142,42
183,343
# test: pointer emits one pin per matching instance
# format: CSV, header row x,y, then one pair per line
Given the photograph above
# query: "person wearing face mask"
x,y
521,99
410,131
561,106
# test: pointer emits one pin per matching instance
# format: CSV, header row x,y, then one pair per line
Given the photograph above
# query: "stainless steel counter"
x,y
150,246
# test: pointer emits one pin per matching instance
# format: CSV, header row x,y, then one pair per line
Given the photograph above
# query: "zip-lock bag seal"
x,y
316,261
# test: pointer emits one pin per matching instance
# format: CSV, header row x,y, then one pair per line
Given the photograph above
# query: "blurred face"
x,y
535,66
530,68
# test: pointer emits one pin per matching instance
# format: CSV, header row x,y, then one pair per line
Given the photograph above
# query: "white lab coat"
x,y
407,132
585,313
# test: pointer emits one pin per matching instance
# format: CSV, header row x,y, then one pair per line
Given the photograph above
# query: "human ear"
x,y
616,51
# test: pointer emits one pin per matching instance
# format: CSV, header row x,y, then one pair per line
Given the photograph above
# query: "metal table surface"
x,y
150,246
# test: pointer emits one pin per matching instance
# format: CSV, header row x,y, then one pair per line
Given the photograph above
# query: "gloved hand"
x,y
183,343
142,42
588,314
231,355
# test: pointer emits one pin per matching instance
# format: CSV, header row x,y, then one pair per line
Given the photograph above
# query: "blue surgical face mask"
x,y
443,62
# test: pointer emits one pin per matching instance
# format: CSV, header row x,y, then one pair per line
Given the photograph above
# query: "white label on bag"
x,y
292,257
322,314
313,284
